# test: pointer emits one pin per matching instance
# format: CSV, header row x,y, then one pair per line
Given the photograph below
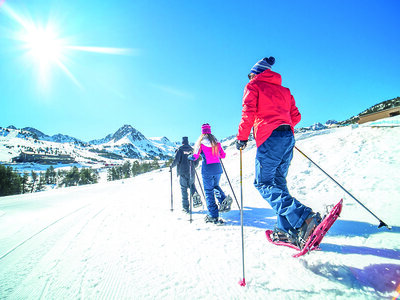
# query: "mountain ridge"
x,y
125,143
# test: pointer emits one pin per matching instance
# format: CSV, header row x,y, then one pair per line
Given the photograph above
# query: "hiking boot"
x,y
196,200
307,228
185,210
279,235
209,219
225,205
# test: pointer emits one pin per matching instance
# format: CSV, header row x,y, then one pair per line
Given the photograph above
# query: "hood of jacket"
x,y
268,76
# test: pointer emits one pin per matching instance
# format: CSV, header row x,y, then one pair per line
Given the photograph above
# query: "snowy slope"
x,y
119,240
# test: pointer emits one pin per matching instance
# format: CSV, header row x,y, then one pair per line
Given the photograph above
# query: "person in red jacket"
x,y
270,109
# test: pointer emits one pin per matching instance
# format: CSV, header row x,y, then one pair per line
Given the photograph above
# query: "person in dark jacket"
x,y
186,173
270,109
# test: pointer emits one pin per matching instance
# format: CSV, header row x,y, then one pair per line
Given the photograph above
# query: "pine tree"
x,y
47,176
41,183
126,170
87,176
135,168
34,179
52,175
146,167
24,183
155,164
10,181
109,175
169,162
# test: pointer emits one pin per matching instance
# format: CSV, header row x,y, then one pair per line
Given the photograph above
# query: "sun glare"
x,y
45,47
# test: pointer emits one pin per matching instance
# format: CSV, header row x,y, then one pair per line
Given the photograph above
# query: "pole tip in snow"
x,y
382,224
242,282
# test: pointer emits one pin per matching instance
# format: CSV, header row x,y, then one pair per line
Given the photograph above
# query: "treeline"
x,y
395,102
128,170
12,183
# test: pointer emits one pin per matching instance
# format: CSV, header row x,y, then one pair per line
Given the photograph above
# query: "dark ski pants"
x,y
212,191
186,183
272,163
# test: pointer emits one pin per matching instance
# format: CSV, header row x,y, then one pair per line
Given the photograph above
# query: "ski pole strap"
x,y
381,223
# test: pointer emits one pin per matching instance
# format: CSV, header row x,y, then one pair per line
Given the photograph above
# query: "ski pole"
x,y
243,281
190,194
381,223
172,197
223,167
201,188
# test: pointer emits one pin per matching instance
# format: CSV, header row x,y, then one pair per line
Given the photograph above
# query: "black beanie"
x,y
185,140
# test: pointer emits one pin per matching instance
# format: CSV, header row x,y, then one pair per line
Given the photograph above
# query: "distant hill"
x,y
395,102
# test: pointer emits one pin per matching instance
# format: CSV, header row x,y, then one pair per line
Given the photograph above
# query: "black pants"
x,y
186,183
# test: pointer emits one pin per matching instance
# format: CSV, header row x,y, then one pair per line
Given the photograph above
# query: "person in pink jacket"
x,y
210,150
270,109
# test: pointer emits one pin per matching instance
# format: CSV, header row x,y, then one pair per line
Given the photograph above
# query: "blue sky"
x,y
166,67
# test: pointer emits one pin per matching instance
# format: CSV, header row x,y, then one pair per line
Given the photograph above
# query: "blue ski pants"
x,y
272,163
212,191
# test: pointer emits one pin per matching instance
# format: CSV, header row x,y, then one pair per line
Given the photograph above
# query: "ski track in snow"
x,y
119,240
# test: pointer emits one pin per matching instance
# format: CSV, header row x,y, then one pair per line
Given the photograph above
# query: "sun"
x,y
44,50
43,45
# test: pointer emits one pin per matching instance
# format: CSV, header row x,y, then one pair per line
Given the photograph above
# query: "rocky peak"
x,y
127,131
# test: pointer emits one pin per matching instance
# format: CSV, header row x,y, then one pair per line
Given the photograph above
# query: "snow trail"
x,y
119,240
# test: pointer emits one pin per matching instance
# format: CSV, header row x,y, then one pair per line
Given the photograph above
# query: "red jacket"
x,y
266,106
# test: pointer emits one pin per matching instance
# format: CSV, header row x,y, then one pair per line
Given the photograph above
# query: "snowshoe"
x,y
196,200
315,234
209,219
225,205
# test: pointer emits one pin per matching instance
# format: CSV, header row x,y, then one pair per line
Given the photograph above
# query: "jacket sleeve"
x,y
177,158
294,113
222,153
250,98
197,155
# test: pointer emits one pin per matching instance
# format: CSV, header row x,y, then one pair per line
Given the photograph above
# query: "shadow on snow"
x,y
264,218
381,277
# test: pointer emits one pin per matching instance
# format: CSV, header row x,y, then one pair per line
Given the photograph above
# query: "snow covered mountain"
x,y
125,143
57,138
129,142
120,240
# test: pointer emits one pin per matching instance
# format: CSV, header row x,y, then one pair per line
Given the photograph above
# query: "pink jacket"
x,y
206,148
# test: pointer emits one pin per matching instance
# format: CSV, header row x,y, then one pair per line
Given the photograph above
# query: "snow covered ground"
x,y
120,240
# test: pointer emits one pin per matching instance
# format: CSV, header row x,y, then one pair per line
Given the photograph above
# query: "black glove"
x,y
241,144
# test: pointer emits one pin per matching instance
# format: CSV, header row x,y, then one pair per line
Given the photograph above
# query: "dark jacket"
x,y
182,163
